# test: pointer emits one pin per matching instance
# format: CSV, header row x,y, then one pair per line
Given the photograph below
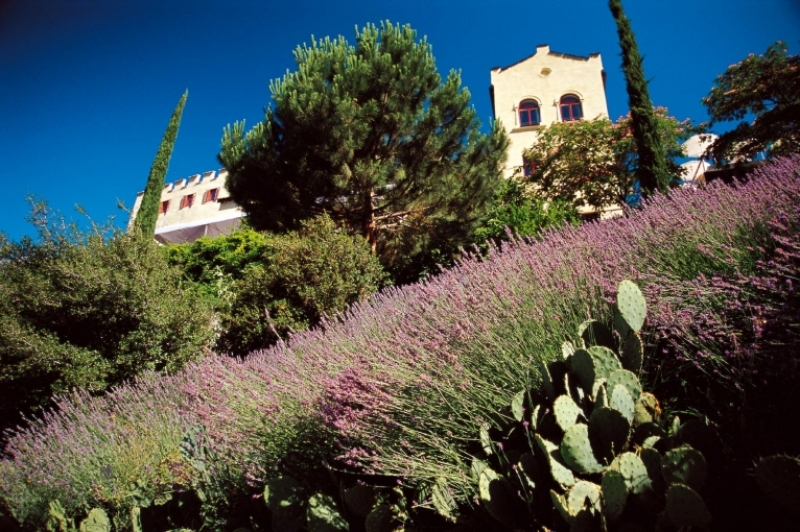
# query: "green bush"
x,y
523,215
215,263
305,276
89,310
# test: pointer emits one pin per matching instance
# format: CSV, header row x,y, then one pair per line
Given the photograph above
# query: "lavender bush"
x,y
400,385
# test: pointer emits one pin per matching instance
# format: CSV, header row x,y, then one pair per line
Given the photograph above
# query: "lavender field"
x,y
399,386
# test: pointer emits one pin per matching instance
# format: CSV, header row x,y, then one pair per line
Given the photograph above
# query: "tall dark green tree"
x,y
653,172
145,221
371,135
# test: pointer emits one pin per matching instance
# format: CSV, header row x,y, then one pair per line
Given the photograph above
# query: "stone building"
x,y
193,207
541,89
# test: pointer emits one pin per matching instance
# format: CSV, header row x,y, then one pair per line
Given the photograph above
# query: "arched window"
x,y
571,108
529,113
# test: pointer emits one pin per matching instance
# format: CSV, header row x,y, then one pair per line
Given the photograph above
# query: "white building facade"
x,y
542,89
194,207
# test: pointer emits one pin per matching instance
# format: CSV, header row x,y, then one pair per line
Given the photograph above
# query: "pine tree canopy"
x,y
147,215
373,136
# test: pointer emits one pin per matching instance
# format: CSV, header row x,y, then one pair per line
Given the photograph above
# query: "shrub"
x,y
89,310
306,275
215,263
522,215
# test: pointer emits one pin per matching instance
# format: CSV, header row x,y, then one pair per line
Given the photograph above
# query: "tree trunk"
x,y
369,229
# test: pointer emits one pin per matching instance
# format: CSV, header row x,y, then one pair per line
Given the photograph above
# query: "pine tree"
x,y
653,173
145,221
371,135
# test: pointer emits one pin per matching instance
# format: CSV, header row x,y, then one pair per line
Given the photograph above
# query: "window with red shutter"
x,y
211,195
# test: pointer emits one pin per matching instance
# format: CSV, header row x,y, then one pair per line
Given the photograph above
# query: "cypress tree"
x,y
145,221
652,172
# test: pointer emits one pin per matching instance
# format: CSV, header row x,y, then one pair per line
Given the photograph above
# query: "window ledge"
x,y
526,128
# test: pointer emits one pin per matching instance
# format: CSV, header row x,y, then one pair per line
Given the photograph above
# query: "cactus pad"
x,y
647,410
566,412
282,492
577,451
575,392
560,502
518,405
548,386
605,361
778,477
684,465
633,470
500,498
379,519
608,432
567,349
486,441
560,472
621,401
596,387
601,396
488,475
628,380
652,462
323,515
631,305
650,442
583,495
685,507
582,367
531,470
593,332
632,353
96,521
443,500
535,417
359,499
615,494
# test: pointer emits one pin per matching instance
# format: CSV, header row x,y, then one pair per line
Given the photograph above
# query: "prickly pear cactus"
x,y
96,521
596,455
631,308
323,515
284,497
778,477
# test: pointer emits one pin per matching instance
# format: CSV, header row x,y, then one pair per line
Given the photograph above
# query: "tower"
x,y
541,89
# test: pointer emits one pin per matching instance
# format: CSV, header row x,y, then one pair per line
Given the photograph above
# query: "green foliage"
x,y
517,208
596,162
767,86
96,521
371,135
293,510
145,221
652,173
596,463
778,477
316,272
89,310
214,265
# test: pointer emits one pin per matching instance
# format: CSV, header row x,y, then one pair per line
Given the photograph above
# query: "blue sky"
x,y
87,86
